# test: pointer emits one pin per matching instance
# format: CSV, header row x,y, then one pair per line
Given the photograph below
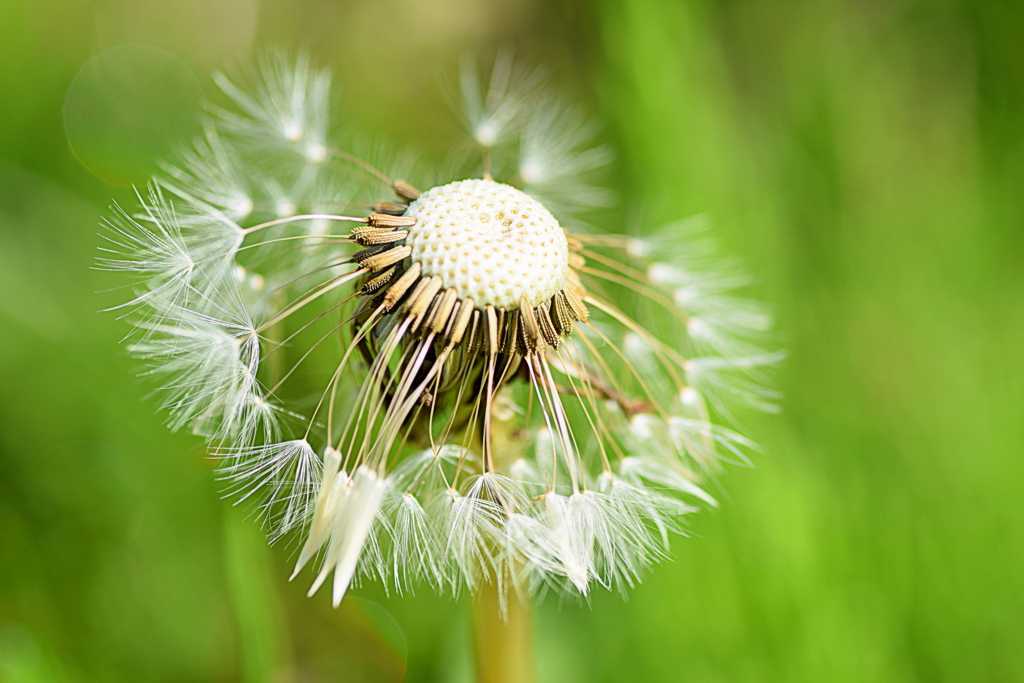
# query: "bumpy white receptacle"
x,y
489,241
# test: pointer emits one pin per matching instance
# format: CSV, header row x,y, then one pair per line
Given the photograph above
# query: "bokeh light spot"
x,y
127,108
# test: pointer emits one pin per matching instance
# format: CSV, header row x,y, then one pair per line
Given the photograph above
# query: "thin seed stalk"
x,y
502,642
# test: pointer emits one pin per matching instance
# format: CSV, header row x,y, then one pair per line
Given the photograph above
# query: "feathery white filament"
x,y
289,102
281,477
572,530
209,363
492,116
416,549
643,471
557,157
212,173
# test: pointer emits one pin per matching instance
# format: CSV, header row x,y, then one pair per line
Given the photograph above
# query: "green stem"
x,y
501,623
502,646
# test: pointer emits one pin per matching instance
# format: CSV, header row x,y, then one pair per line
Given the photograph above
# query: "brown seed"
x,y
372,285
525,344
474,341
530,329
573,284
383,237
439,317
393,208
382,260
415,293
397,291
420,300
493,341
362,231
562,314
508,327
462,320
385,220
547,327
579,309
405,190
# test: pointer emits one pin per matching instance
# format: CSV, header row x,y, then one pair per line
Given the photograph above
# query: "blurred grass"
x,y
866,158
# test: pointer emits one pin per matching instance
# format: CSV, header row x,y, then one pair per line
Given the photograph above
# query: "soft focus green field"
x,y
865,158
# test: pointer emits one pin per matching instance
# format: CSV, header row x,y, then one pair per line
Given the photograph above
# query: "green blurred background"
x,y
865,157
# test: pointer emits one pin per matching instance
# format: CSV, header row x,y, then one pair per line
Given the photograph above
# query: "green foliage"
x,y
865,158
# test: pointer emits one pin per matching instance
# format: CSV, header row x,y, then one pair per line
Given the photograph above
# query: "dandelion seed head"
x,y
497,412
490,242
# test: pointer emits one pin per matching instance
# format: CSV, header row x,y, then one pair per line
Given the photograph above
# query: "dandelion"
x,y
458,387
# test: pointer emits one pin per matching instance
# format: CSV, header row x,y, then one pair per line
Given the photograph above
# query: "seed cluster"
x,y
489,242
475,262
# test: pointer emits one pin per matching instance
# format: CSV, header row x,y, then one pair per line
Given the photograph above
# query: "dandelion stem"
x,y
501,614
501,639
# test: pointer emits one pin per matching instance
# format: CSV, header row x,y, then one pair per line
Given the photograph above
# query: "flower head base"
x,y
490,243
513,401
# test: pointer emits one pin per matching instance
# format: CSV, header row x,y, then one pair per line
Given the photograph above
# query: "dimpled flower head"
x,y
457,386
